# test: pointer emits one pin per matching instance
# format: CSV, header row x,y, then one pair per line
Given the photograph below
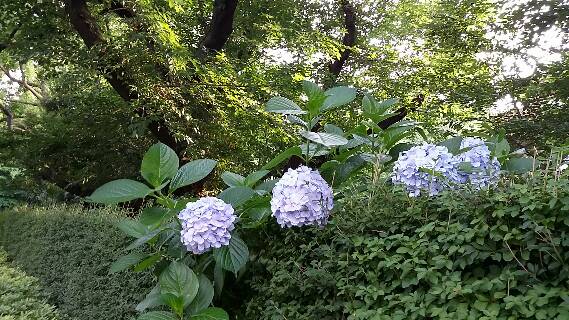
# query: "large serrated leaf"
x,y
192,172
159,163
283,105
126,262
180,281
121,190
234,256
326,139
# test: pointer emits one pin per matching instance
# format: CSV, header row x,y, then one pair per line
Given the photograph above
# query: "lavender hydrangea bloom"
x,y
409,169
206,224
485,170
302,197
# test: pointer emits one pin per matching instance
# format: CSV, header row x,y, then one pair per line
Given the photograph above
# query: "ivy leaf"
x,y
121,190
192,172
159,163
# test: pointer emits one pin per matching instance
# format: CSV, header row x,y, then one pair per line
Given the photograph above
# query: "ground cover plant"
x,y
70,250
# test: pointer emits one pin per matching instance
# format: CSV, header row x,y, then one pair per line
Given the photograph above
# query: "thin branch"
x,y
9,116
22,82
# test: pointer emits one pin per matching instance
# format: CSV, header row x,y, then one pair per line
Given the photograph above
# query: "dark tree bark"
x,y
221,25
349,40
86,27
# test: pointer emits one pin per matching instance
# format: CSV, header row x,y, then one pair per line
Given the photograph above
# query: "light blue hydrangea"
x,y
413,167
301,197
206,223
484,170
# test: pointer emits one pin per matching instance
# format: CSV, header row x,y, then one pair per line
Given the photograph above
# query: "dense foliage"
x,y
492,255
20,295
70,251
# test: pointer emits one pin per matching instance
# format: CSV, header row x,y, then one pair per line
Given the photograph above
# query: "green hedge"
x,y
69,250
20,295
494,255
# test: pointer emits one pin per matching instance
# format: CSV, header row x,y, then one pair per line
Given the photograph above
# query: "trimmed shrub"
x,y
20,295
500,254
70,250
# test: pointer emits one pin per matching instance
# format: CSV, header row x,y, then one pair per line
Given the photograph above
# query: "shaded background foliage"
x,y
176,72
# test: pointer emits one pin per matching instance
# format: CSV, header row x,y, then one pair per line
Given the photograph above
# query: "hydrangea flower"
x,y
485,170
302,197
206,224
410,169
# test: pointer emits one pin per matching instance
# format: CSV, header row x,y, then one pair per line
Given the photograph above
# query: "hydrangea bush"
x,y
455,163
483,168
206,224
428,168
301,197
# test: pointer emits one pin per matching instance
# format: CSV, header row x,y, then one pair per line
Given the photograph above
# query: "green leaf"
x,y
192,172
452,144
121,190
385,104
159,163
281,157
204,297
153,216
211,314
310,88
330,128
520,165
126,261
255,177
283,105
132,227
232,179
234,256
144,239
148,262
236,196
152,299
325,139
338,96
180,281
158,315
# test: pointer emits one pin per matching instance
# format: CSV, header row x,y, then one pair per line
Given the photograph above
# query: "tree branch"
x,y
86,26
22,82
9,115
221,25
349,40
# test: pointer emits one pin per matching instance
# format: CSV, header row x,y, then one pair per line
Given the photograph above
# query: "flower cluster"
x,y
302,197
483,170
206,224
427,167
